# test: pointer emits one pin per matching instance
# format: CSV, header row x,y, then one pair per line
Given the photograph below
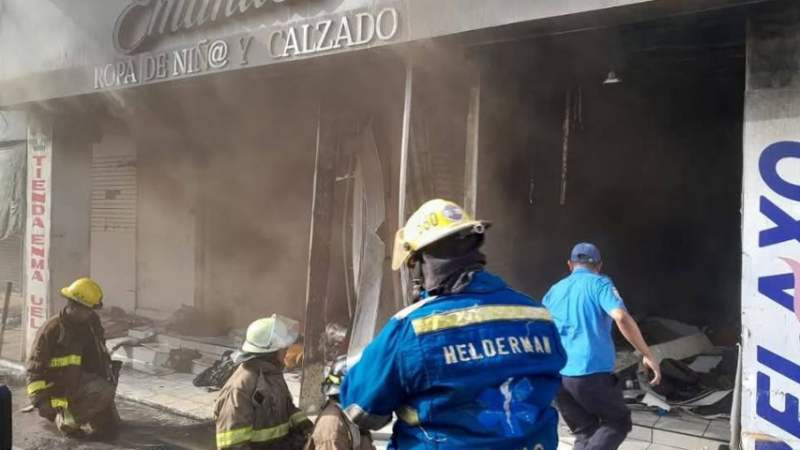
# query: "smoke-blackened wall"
x,y
224,171
256,195
226,175
653,175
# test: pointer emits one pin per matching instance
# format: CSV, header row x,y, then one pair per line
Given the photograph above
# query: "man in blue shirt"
x,y
472,364
585,306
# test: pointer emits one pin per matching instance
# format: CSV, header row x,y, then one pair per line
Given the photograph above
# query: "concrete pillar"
x,y
57,230
38,228
770,234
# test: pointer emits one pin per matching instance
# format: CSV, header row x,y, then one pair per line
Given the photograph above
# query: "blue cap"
x,y
586,252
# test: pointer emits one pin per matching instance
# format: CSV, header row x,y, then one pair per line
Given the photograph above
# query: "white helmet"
x,y
270,334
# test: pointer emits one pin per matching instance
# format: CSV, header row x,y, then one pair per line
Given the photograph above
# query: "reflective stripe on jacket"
x,y
255,410
60,354
478,369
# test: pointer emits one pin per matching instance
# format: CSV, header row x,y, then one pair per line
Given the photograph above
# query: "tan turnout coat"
x,y
61,354
334,432
255,411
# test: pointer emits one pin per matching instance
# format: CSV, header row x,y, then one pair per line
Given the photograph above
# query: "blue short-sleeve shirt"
x,y
581,305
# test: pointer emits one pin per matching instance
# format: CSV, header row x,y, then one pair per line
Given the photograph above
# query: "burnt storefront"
x,y
245,158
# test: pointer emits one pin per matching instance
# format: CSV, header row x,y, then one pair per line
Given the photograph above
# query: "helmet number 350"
x,y
431,222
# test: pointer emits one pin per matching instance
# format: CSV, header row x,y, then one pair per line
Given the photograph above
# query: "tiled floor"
x,y
176,393
630,444
672,432
684,430
651,432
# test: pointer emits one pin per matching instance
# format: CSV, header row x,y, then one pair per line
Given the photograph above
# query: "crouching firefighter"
x,y
70,376
333,430
471,363
255,409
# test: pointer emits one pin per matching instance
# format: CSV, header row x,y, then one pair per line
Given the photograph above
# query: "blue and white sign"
x,y
771,271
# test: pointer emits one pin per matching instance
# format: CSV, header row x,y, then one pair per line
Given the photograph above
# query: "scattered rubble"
x,y
152,350
217,375
181,359
116,321
190,321
683,347
697,376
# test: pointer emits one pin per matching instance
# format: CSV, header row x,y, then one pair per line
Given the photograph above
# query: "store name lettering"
x,y
348,31
38,242
786,229
203,57
327,35
162,17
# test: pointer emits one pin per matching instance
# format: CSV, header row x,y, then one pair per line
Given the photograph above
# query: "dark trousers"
x,y
92,405
595,411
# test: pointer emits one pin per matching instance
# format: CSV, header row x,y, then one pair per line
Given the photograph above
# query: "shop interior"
x,y
631,138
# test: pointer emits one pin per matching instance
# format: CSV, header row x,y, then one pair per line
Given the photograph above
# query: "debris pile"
x,y
697,375
217,375
117,322
188,342
190,321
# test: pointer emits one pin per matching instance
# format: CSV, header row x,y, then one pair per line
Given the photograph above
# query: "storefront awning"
x,y
68,49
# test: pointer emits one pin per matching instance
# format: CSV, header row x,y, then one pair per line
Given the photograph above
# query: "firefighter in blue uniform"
x,y
472,363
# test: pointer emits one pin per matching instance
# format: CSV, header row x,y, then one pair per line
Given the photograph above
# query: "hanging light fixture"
x,y
612,78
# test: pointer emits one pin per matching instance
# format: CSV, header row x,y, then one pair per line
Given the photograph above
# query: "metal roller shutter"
x,y
114,218
114,193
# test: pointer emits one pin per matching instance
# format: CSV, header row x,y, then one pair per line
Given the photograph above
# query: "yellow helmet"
x,y
84,291
433,221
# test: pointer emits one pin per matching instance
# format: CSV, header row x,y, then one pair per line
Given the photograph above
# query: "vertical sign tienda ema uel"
x,y
37,235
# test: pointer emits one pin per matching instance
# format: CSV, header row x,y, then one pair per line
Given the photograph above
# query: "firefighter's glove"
x,y
46,410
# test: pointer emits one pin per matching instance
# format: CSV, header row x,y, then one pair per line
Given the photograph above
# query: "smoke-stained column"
x,y
37,230
57,230
770,237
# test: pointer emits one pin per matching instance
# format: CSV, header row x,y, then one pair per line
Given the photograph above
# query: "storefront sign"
x,y
144,20
37,235
327,35
347,31
203,57
771,274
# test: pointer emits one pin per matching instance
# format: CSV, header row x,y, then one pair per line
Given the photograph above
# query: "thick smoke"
x,y
225,175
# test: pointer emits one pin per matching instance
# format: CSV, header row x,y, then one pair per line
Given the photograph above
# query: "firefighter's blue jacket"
x,y
478,370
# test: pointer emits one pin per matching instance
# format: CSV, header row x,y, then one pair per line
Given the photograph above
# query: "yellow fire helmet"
x,y
433,221
84,291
